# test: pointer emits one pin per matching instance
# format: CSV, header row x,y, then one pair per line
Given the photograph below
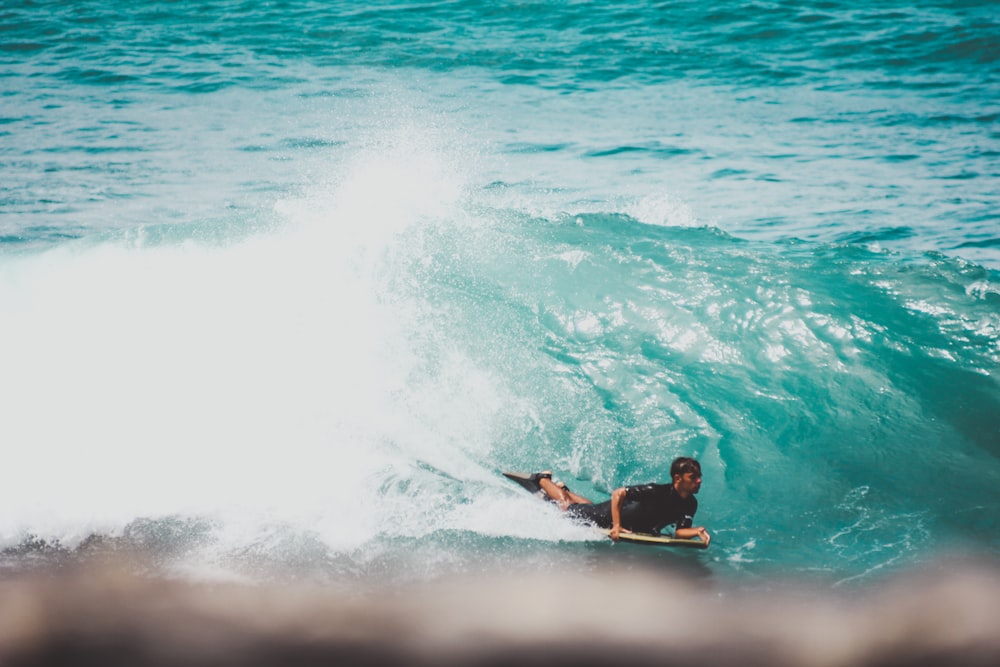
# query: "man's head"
x,y
686,475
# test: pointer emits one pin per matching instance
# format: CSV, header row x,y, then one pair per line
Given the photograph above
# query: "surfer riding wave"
x,y
646,508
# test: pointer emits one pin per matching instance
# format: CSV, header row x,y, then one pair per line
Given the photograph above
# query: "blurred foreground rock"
x,y
939,617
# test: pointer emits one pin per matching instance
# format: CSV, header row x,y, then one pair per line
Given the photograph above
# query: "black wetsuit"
x,y
648,508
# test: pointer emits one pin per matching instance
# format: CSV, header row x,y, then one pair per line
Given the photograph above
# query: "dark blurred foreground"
x,y
941,616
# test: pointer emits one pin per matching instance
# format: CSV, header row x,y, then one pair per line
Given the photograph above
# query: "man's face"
x,y
688,483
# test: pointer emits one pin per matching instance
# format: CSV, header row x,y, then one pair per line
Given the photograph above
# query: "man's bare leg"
x,y
562,496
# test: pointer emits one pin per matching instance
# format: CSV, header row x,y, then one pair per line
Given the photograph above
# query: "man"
x,y
647,508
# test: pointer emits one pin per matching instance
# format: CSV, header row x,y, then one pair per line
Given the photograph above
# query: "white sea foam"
x,y
262,380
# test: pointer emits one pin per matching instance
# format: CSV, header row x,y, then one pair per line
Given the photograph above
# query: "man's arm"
x,y
617,498
688,533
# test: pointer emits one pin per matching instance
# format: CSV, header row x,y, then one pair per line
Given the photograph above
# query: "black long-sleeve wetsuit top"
x,y
647,508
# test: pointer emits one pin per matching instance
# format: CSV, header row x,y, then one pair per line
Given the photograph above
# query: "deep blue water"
x,y
285,286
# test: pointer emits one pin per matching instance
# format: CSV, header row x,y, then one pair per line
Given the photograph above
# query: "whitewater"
x,y
284,289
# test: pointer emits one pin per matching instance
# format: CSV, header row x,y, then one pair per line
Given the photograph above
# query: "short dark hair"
x,y
683,465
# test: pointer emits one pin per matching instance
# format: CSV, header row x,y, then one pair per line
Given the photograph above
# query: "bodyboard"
x,y
658,540
526,482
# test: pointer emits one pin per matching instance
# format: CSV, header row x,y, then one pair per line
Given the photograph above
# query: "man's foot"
x,y
547,474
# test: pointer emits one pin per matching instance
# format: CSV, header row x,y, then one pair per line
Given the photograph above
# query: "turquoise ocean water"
x,y
285,286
